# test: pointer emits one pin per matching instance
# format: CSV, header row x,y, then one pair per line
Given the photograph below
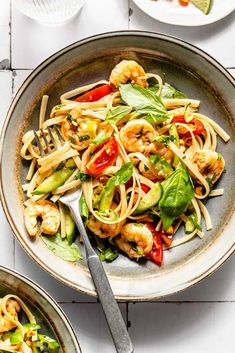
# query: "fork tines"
x,y
51,130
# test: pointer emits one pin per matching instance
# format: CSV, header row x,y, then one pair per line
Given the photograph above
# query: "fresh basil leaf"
x,y
50,342
31,327
142,100
116,114
84,210
178,192
109,255
168,91
124,174
61,248
155,119
100,139
193,219
16,337
82,176
84,138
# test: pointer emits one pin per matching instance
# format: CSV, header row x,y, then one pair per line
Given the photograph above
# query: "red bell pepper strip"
x,y
103,157
95,94
198,125
156,254
166,239
145,188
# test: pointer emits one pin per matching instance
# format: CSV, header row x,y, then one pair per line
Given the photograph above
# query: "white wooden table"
x,y
200,319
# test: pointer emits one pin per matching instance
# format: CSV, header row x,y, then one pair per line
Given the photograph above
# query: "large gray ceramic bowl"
x,y
49,316
179,63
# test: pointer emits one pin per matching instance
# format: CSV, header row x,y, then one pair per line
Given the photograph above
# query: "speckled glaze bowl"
x,y
49,316
179,63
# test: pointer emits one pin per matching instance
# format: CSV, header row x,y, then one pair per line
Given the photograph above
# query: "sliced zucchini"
x,y
57,179
150,199
70,227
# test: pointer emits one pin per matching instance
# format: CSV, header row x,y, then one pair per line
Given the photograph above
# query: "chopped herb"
x,y
72,139
82,176
109,255
60,106
184,157
139,225
61,166
209,181
219,157
84,138
165,139
69,117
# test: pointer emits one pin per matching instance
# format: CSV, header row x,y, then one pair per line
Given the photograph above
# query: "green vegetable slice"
x,y
203,5
57,179
122,176
150,199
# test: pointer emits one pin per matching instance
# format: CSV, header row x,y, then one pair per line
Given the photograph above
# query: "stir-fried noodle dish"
x,y
19,331
144,157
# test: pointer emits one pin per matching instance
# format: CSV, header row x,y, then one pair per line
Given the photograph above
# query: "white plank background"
x,y
200,319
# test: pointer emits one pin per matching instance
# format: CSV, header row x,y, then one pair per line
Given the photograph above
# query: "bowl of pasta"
x,y
31,321
143,124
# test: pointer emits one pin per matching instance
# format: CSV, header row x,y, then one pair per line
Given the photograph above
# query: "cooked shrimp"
x,y
103,230
128,70
210,164
138,136
78,132
49,213
161,150
136,240
13,308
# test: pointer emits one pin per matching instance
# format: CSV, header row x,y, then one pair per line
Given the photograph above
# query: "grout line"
x,y
10,28
185,302
130,13
128,322
75,302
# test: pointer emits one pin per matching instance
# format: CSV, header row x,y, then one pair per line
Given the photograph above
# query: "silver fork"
x,y
50,130
111,309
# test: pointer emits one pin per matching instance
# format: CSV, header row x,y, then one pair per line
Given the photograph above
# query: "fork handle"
x,y
111,309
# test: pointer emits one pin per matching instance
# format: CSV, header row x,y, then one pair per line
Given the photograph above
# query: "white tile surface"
x,y
200,319
179,328
90,326
216,38
41,41
5,35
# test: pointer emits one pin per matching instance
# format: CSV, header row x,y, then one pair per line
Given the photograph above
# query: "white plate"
x,y
171,12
